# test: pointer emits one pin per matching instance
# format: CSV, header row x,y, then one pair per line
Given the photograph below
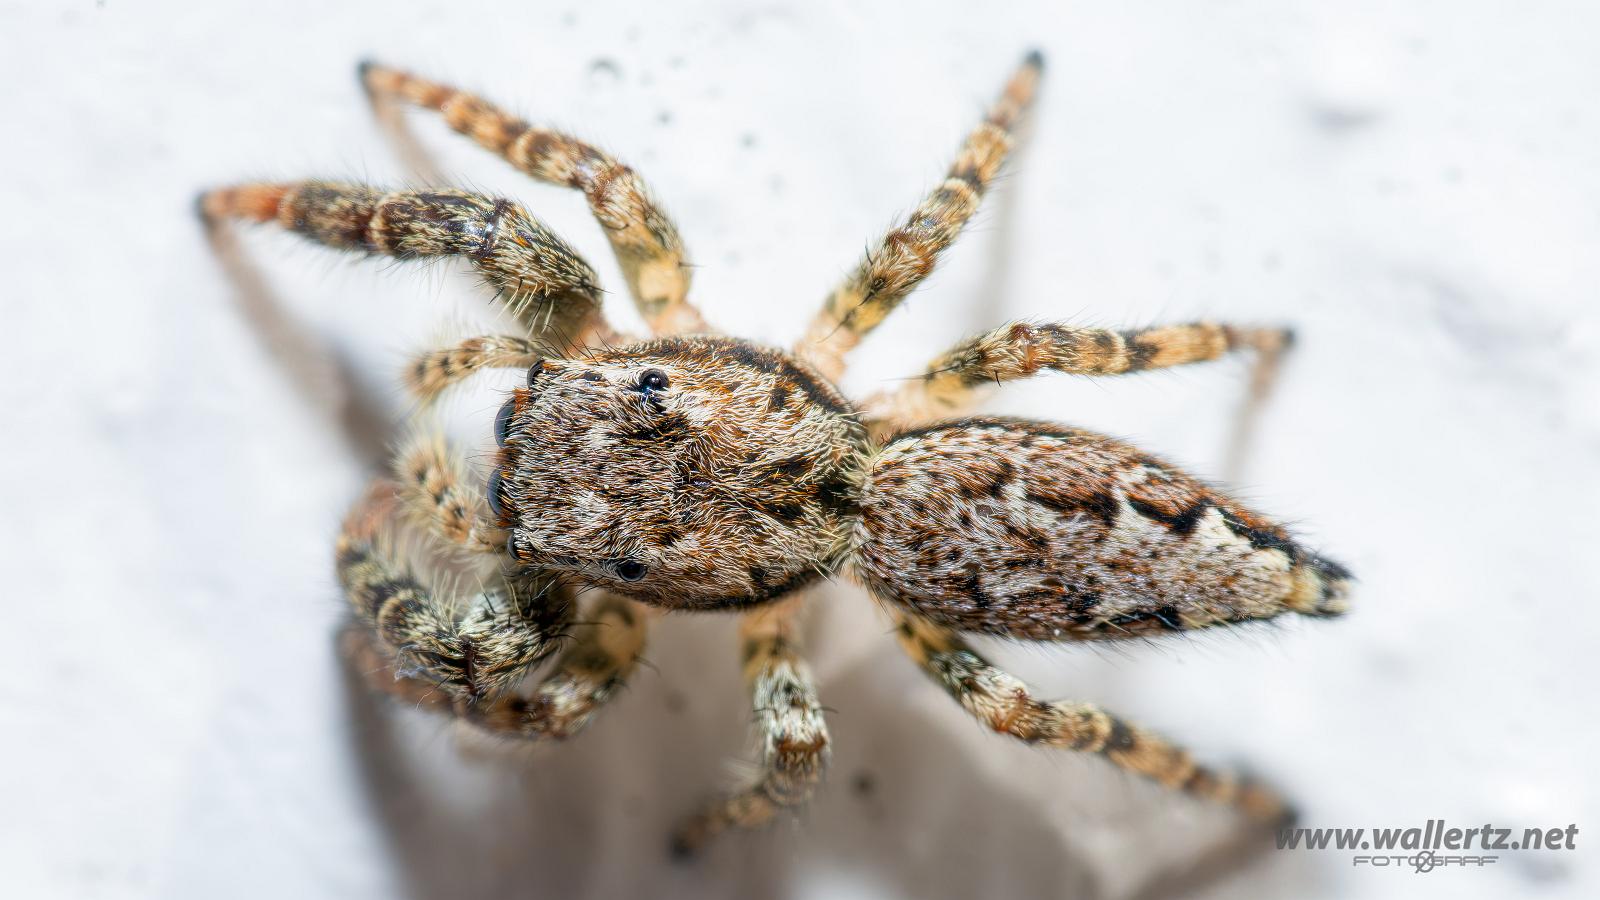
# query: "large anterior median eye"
x,y
653,380
628,570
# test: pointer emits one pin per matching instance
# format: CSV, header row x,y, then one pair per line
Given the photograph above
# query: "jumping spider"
x,y
693,471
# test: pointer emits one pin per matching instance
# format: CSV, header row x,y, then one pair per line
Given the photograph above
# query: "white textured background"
x,y
1416,186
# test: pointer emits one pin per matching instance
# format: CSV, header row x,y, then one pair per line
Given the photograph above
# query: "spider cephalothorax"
x,y
686,472
695,472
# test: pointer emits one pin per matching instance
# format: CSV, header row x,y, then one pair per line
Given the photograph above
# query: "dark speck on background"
x,y
604,72
676,702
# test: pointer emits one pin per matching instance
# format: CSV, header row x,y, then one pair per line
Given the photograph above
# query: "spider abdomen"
x,y
1043,532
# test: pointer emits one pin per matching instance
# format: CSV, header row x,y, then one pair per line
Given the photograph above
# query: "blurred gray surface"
x,y
1413,186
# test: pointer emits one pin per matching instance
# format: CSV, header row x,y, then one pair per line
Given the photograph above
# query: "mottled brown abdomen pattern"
x,y
1042,532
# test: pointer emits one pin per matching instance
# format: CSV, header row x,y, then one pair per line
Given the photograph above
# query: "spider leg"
x,y
434,488
603,653
957,379
794,737
906,255
432,373
543,282
468,654
1003,703
645,241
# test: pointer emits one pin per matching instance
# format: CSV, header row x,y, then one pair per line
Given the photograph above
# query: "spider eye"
x,y
534,370
502,421
495,494
653,380
629,570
